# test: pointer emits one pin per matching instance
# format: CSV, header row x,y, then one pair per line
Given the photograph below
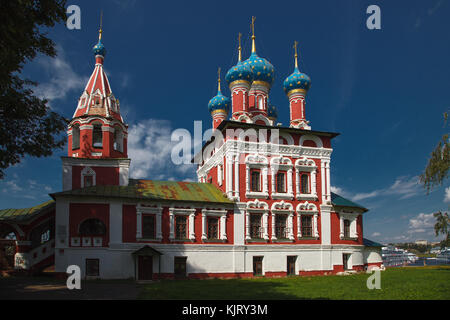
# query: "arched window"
x,y
305,183
92,227
118,139
75,137
97,136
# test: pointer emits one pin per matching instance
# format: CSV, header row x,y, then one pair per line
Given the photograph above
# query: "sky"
x,y
384,91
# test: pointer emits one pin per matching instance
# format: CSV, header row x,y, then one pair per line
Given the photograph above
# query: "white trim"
x,y
222,214
182,211
88,171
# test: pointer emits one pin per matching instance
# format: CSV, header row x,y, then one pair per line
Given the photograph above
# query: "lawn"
x,y
432,282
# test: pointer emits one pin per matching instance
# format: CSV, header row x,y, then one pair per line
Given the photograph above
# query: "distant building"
x,y
422,242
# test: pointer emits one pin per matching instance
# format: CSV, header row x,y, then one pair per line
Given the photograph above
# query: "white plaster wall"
x,y
372,255
62,241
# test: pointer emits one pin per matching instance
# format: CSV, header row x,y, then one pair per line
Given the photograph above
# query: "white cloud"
x,y
421,223
63,78
150,148
404,187
447,195
376,234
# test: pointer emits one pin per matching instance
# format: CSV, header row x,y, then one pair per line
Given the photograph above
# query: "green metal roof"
x,y
19,215
370,243
339,201
155,190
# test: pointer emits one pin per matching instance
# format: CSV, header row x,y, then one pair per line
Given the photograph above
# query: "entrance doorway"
x,y
291,265
180,267
145,267
257,266
346,259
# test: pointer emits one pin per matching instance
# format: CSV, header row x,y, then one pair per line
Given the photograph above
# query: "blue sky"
x,y
384,90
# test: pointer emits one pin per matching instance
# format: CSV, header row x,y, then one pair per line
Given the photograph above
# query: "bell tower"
x,y
97,134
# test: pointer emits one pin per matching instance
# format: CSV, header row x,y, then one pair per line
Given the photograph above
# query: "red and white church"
x,y
261,207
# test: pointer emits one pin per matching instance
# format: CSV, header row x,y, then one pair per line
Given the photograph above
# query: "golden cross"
x,y
101,23
218,80
295,56
253,35
239,48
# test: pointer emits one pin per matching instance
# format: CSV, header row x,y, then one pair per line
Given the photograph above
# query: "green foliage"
x,y
409,283
27,125
442,224
438,166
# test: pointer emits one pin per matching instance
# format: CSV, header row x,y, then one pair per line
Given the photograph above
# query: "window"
x,y
180,227
97,136
257,266
256,231
45,236
346,228
281,231
92,267
92,227
180,267
304,183
88,180
118,139
256,181
281,182
148,227
260,103
213,228
306,226
75,137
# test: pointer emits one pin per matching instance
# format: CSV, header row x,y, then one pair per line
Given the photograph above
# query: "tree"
x,y
442,225
438,166
27,125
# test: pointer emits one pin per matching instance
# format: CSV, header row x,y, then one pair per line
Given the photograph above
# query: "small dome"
x,y
239,72
297,80
262,69
272,112
99,49
219,102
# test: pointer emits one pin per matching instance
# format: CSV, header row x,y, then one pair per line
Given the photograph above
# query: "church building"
x,y
262,206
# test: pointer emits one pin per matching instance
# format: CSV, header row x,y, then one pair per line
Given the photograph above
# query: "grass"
x,y
408,283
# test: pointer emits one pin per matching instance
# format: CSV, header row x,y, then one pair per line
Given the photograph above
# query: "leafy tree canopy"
x,y
27,125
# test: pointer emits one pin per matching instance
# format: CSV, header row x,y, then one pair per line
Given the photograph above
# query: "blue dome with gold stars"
x,y
99,49
219,102
239,72
297,80
262,69
272,112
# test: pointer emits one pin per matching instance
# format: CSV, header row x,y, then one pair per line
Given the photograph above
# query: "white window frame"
x,y
283,164
286,209
222,215
256,161
306,165
157,211
353,218
88,171
186,212
258,207
311,210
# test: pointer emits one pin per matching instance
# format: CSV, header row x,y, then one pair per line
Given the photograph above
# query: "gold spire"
x,y
253,35
100,31
295,56
218,80
239,48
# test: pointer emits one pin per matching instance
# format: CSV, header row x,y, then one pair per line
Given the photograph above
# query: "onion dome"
x,y
262,69
272,112
297,80
99,49
219,102
239,71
